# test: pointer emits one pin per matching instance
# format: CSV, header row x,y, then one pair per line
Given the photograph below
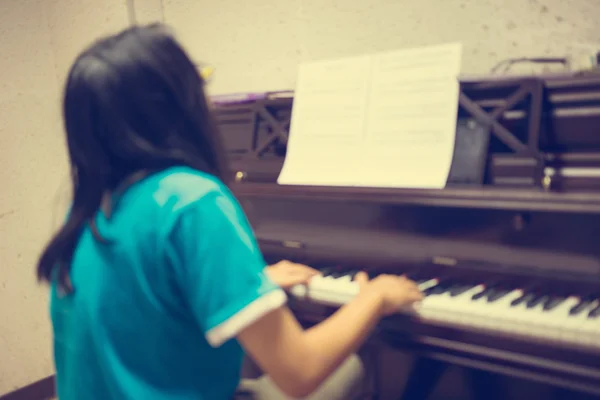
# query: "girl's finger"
x,y
361,278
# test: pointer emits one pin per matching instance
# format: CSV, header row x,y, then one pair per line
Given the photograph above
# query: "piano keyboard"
x,y
492,307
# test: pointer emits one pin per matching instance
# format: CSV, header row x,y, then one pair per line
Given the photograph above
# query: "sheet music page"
x,y
386,120
411,118
328,120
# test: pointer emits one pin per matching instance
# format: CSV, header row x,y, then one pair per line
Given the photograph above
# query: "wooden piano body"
x,y
533,218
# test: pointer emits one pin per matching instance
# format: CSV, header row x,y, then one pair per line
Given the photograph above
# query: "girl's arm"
x,y
298,360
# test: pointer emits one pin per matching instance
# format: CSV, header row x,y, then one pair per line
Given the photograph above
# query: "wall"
x,y
38,40
28,133
255,45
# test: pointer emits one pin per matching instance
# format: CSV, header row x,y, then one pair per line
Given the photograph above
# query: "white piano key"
x,y
550,322
496,315
534,321
590,328
570,329
519,315
476,310
431,307
300,291
428,284
462,304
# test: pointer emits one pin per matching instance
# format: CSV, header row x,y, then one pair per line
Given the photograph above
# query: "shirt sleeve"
x,y
220,267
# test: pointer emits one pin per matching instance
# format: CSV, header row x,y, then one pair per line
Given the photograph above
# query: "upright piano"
x,y
507,255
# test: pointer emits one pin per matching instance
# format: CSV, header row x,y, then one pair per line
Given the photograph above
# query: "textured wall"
x,y
28,177
256,45
38,41
147,11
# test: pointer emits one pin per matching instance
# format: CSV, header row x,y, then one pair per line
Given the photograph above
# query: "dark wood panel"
x,y
481,198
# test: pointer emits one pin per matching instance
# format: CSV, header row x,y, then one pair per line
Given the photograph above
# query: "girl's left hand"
x,y
287,274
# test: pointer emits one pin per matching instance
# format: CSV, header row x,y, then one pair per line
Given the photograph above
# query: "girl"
x,y
157,281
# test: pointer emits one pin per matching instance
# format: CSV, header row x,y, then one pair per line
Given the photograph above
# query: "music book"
x,y
381,120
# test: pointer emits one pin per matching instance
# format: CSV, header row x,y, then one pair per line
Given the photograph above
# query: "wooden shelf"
x,y
487,197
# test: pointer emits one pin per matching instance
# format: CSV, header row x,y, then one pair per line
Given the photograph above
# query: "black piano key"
x,y
459,289
337,273
579,307
444,288
488,287
497,294
429,291
536,299
419,276
440,288
479,295
522,299
595,313
413,275
553,302
517,301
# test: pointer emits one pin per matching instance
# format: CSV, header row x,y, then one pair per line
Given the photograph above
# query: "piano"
x,y
507,255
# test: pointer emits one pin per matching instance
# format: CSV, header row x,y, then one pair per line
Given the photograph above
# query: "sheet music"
x,y
386,120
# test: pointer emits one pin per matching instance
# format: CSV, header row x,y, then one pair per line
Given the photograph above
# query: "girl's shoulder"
x,y
181,186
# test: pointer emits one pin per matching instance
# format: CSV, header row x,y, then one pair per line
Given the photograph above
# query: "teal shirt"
x,y
157,307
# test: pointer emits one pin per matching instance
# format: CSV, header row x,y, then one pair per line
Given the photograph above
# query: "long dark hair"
x,y
134,103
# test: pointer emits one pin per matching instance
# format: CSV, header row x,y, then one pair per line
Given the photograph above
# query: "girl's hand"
x,y
287,274
395,292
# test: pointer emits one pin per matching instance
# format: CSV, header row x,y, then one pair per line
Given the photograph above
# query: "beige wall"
x,y
255,45
38,40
